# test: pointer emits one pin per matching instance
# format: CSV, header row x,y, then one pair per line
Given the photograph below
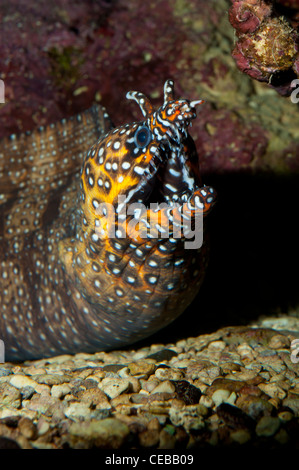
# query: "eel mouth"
x,y
171,177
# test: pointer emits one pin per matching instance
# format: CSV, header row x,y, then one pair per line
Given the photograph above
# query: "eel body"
x,y
95,222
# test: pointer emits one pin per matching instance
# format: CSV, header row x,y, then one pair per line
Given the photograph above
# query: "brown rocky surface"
x,y
236,386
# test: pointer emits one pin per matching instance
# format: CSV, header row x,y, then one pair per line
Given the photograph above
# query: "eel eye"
x,y
142,137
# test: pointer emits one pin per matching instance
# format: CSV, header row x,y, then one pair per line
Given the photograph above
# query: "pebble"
x,y
165,386
189,418
149,385
220,396
27,428
229,387
254,406
149,438
163,355
187,392
59,391
234,417
169,374
216,346
27,392
77,410
50,379
167,440
4,372
279,342
142,368
241,436
41,403
267,426
20,381
206,374
107,433
273,390
9,396
95,398
42,427
114,387
292,402
226,384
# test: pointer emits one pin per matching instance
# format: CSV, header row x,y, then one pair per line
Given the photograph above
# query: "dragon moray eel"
x,y
67,285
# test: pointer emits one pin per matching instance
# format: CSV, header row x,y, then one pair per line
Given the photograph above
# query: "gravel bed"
x,y
238,386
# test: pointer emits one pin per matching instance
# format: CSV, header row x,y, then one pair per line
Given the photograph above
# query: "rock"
x,y
279,342
59,391
292,402
206,401
4,372
189,418
273,390
112,367
167,439
252,390
27,428
135,385
255,407
187,392
9,396
207,374
234,417
246,352
225,384
220,396
282,437
169,374
163,355
141,368
78,410
51,379
241,436
95,398
160,396
149,438
107,433
27,392
21,381
42,426
267,426
285,416
32,370
139,398
217,346
165,386
149,385
228,367
41,403
114,387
